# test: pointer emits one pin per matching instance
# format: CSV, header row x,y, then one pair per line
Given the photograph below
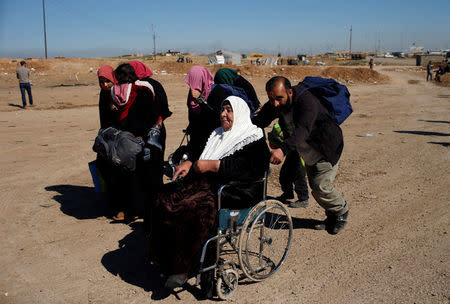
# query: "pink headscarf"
x,y
107,71
141,69
199,78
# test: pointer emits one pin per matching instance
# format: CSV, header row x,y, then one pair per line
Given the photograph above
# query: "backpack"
x,y
119,148
334,96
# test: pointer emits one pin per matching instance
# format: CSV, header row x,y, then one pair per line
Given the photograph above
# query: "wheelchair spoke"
x,y
263,248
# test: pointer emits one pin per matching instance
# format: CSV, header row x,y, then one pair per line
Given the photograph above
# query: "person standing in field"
x,y
23,74
429,75
371,63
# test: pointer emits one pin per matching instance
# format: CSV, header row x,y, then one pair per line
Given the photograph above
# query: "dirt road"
x,y
58,246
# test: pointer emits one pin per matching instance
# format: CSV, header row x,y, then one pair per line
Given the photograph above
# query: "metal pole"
x,y
154,43
350,39
45,29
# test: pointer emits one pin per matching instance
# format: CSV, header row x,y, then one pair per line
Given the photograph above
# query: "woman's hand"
x,y
182,169
203,165
195,93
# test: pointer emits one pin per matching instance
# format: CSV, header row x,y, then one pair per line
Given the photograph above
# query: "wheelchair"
x,y
251,244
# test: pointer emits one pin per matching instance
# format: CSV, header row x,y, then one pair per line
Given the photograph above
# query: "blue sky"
x,y
97,28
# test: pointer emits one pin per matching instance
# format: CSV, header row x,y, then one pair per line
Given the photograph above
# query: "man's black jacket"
x,y
305,119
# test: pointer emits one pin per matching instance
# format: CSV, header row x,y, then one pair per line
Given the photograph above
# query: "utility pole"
x,y
154,43
45,29
350,39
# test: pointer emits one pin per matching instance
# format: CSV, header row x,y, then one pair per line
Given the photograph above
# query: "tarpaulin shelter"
x,y
224,57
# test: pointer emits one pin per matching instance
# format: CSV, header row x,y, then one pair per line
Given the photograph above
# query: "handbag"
x,y
119,148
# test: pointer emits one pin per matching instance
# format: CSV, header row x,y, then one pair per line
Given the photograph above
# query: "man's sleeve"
x,y
304,121
264,116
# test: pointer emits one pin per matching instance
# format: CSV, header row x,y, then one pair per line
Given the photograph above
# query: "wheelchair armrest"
x,y
239,183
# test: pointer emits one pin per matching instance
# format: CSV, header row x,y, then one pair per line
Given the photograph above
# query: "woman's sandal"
x,y
176,280
120,216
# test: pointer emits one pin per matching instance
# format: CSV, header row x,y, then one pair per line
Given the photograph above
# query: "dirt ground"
x,y
58,246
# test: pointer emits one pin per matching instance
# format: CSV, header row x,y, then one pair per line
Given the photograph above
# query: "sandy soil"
x,y
58,246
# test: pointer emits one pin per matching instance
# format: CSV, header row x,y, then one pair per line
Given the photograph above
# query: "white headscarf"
x,y
223,143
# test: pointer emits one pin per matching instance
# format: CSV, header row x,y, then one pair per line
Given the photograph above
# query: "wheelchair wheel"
x,y
265,240
227,283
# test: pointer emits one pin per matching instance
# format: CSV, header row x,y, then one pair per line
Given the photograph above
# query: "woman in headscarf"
x,y
139,112
145,74
106,80
232,77
202,119
185,212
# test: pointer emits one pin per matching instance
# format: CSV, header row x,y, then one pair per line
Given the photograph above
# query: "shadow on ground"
x,y
15,105
444,144
80,202
426,133
130,264
436,121
301,223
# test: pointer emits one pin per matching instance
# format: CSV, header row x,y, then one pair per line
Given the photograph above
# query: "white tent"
x,y
271,61
224,58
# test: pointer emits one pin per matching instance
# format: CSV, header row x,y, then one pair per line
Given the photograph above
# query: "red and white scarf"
x,y
123,95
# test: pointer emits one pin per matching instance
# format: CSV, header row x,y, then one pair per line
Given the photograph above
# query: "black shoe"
x,y
299,204
333,224
285,197
338,224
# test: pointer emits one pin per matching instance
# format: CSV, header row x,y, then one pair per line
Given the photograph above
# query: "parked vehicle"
x,y
399,54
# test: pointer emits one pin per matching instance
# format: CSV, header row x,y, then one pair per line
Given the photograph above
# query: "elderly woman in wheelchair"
x,y
185,219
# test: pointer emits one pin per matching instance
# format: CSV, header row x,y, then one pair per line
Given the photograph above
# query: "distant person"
x,y
233,78
440,71
313,133
371,63
23,74
429,75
